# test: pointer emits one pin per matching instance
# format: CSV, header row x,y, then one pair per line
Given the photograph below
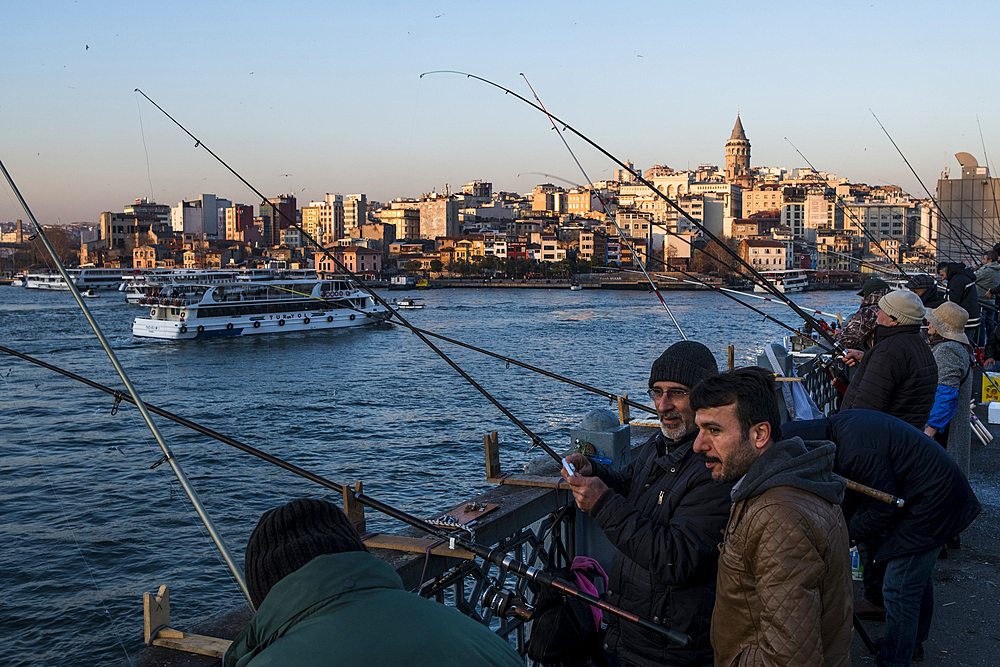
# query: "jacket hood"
x,y
795,463
313,587
956,268
929,294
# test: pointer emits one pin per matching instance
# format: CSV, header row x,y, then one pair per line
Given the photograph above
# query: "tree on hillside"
x,y
412,265
437,265
713,259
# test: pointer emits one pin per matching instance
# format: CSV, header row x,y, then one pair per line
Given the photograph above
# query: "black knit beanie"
x,y
288,537
686,363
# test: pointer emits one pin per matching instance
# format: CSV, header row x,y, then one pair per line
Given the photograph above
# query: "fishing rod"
x,y
167,454
536,441
857,221
919,180
291,467
604,207
838,348
993,187
499,558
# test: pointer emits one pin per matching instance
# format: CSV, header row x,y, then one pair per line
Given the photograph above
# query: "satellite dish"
x,y
967,160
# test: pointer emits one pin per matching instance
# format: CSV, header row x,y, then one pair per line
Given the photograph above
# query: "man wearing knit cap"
x,y
322,599
665,516
898,375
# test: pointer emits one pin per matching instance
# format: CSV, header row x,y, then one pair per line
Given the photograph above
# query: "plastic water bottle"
x,y
857,569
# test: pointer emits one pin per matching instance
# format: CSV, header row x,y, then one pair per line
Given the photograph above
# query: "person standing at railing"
x,y
664,515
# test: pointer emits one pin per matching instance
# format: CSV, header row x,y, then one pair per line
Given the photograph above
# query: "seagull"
x,y
86,47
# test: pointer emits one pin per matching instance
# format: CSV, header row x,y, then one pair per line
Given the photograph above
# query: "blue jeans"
x,y
987,322
908,592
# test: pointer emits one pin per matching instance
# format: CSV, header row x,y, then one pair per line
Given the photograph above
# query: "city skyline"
x,y
335,103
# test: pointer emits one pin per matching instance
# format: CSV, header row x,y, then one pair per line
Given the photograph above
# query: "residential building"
x,y
362,261
325,220
276,214
405,220
763,254
355,210
205,215
238,220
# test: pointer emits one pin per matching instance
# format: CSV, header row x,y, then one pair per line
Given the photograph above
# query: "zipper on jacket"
x,y
660,501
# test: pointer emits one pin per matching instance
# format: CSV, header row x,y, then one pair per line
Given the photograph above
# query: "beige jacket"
x,y
784,594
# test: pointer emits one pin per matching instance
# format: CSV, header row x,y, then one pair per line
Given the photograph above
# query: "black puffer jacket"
x,y
888,454
962,290
665,516
898,376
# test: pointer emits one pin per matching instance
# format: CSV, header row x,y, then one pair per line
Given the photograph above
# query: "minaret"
x,y
738,156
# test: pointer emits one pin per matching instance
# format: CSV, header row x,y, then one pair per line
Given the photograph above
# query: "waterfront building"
x,y
275,215
764,254
362,261
971,211
205,215
355,210
405,220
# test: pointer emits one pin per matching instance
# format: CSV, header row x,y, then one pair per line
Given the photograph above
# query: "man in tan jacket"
x,y
783,594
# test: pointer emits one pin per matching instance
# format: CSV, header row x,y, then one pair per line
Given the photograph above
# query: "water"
x,y
88,525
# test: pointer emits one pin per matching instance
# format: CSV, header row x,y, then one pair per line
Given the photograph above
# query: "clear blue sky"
x,y
330,93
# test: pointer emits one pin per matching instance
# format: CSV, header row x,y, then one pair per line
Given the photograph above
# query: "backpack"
x,y
568,630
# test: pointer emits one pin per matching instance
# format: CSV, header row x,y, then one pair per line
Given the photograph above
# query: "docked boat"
x,y
84,278
786,280
402,283
407,304
180,311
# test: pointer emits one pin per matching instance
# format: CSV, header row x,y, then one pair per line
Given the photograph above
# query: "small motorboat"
x,y
89,294
575,286
407,304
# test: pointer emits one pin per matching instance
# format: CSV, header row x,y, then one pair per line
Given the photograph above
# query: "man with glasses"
x,y
665,516
898,376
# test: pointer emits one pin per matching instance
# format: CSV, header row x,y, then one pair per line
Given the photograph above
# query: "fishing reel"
x,y
504,603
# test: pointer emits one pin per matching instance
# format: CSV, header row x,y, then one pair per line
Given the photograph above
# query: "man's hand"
x,y
986,364
930,430
581,463
853,357
586,490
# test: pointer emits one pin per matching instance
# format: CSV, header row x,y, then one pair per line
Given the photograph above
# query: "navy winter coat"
x,y
962,290
887,454
665,515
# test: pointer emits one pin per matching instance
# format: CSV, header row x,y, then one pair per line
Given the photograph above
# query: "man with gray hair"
x,y
664,515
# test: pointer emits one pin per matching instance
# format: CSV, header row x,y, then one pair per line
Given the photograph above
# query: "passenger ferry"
x,y
142,283
786,280
86,278
247,307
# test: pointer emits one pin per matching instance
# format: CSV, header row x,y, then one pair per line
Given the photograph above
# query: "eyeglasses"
x,y
673,394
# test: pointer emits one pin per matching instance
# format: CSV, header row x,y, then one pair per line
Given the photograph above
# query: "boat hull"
x,y
252,325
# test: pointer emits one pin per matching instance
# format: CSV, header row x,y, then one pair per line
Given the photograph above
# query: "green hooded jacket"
x,y
351,609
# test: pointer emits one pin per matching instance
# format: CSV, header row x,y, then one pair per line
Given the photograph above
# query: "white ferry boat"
x,y
142,283
87,278
786,280
251,307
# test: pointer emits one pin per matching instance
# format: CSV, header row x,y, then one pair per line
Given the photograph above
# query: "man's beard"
x,y
736,464
673,432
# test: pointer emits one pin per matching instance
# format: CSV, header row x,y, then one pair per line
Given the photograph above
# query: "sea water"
x,y
89,522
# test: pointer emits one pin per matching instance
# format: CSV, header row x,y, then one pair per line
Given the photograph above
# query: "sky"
x,y
309,98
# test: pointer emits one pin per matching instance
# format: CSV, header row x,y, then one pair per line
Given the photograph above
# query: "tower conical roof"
x,y
738,132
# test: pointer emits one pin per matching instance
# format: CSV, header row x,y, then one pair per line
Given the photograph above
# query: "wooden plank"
x,y
492,443
354,510
624,416
155,611
416,545
732,357
531,480
201,644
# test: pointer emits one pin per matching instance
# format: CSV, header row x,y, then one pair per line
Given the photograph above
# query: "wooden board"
x,y
531,480
470,511
415,545
201,644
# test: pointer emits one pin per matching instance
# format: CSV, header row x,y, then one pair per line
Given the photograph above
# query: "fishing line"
x,y
65,516
536,441
993,187
178,472
857,221
604,206
142,133
839,349
969,252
